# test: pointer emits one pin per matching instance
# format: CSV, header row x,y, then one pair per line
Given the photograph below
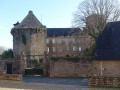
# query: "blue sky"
x,y
52,13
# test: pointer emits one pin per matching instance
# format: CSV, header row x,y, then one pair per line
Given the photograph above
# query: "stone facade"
x,y
107,67
32,39
30,36
67,46
66,68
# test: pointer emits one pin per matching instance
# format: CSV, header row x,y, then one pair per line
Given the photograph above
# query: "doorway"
x,y
9,68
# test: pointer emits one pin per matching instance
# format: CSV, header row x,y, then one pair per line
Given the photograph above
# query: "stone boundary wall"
x,y
16,77
66,68
15,65
2,72
107,67
104,81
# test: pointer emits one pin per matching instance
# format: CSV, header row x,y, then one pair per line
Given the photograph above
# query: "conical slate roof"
x,y
30,21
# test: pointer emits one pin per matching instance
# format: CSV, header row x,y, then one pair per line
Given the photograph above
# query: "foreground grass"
x,y
11,89
18,85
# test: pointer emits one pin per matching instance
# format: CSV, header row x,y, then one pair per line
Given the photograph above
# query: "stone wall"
x,y
4,76
15,65
2,72
38,43
18,65
102,81
107,67
31,41
65,68
16,77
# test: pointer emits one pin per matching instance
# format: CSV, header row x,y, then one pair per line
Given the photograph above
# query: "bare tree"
x,y
93,15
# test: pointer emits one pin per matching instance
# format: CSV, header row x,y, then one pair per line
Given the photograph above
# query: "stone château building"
x,y
33,38
66,42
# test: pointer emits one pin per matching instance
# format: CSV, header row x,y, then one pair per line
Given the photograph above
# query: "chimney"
x,y
30,12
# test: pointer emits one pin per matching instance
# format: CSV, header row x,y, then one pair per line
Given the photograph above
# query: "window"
x,y
66,40
53,40
59,40
53,49
78,40
74,48
79,48
47,49
73,40
67,49
47,41
60,49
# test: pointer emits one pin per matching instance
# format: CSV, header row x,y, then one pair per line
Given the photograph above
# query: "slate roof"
x,y
61,32
30,21
108,42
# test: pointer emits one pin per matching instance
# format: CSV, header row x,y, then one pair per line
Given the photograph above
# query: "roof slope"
x,y
108,42
30,21
61,32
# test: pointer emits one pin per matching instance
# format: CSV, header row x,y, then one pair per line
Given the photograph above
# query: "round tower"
x,y
29,36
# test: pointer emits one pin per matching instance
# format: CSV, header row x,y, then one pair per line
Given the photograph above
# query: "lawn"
x,y
11,89
19,85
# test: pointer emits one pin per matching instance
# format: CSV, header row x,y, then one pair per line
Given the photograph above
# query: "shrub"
x,y
7,54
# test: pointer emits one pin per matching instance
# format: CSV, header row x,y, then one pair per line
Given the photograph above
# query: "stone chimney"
x,y
30,12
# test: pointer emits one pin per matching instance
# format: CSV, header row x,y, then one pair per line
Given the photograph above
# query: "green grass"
x,y
11,89
17,85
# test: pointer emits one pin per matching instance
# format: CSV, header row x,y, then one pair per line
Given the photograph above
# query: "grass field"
x,y
18,85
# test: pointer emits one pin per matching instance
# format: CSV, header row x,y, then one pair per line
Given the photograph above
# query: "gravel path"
x,y
58,81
